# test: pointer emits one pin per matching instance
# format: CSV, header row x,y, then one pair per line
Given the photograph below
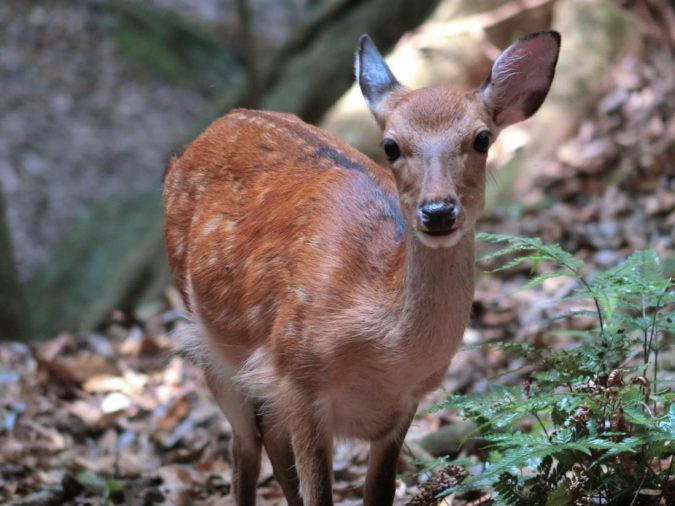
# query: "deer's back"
x,y
276,222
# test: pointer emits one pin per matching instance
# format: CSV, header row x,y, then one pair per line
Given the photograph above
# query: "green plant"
x,y
595,424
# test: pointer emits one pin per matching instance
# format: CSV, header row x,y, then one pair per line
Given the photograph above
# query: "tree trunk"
x,y
13,315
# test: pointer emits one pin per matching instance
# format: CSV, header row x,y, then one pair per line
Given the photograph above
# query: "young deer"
x,y
329,294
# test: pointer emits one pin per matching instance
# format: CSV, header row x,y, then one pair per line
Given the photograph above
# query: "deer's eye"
x,y
482,141
391,149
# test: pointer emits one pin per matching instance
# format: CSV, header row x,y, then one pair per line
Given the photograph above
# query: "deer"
x,y
327,294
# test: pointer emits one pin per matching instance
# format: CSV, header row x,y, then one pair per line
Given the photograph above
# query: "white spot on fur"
x,y
230,226
255,313
212,225
316,242
180,247
291,329
301,295
250,264
262,194
273,307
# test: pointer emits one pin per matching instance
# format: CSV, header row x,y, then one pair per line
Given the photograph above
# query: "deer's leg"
x,y
382,461
277,442
312,443
246,440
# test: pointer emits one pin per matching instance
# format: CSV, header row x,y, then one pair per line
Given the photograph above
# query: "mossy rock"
x,y
106,261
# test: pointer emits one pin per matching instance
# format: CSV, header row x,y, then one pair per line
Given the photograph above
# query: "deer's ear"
x,y
375,78
521,77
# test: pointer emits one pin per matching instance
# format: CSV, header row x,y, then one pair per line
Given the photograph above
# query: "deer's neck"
x,y
436,290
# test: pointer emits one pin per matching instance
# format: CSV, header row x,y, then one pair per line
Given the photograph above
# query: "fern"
x,y
599,430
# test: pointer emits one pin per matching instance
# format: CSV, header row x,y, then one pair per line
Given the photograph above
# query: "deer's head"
x,y
437,139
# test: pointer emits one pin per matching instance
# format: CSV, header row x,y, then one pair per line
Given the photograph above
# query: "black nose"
x,y
439,216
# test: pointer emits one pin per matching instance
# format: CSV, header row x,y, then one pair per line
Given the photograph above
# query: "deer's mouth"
x,y
440,238
440,233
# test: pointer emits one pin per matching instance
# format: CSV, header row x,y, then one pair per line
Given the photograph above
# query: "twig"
x,y
637,491
543,427
651,340
248,54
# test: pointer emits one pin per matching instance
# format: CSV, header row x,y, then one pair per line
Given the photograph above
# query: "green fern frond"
x,y
593,418
541,251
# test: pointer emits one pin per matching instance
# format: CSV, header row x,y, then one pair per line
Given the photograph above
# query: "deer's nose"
x,y
440,216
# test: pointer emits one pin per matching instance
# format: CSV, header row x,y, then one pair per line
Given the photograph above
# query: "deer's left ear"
x,y
521,77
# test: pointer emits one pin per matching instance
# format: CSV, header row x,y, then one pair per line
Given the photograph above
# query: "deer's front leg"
x,y
384,452
277,442
313,448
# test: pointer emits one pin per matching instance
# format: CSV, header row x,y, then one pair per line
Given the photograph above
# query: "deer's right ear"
x,y
374,77
521,77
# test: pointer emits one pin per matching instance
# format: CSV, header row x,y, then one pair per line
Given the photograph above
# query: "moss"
x,y
162,43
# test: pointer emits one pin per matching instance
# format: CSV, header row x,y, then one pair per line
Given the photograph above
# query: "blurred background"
x,y
95,95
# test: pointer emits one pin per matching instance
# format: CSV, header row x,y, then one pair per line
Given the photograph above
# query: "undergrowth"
x,y
595,422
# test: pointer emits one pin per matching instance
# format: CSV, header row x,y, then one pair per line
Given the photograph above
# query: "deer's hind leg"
x,y
240,411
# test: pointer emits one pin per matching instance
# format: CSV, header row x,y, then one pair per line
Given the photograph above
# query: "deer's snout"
x,y
439,217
